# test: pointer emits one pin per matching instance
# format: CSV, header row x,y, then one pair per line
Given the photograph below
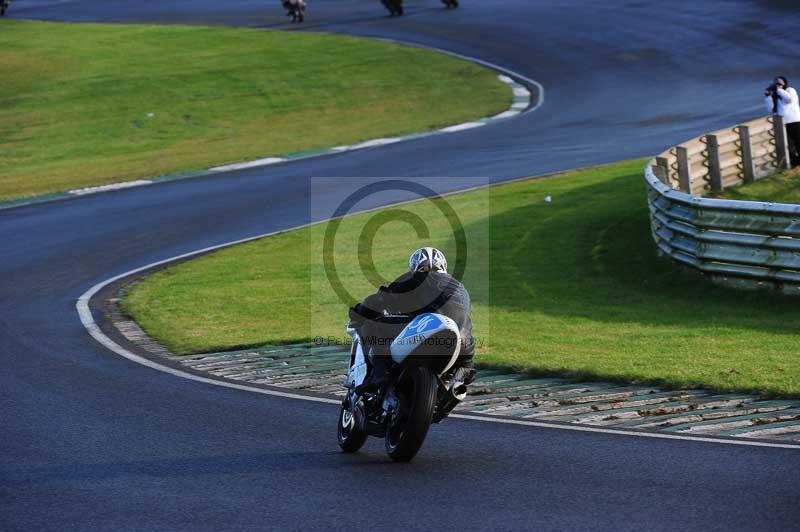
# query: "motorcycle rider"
x,y
395,7
295,9
781,99
425,287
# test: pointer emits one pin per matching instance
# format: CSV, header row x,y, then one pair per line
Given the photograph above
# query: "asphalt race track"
x,y
90,441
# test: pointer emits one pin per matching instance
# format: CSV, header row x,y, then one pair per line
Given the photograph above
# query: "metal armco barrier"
x,y
742,243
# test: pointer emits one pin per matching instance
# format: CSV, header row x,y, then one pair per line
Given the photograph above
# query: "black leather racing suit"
x,y
413,294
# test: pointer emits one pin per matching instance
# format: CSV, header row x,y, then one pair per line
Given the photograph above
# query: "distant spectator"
x,y
781,99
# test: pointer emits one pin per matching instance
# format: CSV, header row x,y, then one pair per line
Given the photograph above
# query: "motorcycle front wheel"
x,y
409,425
351,438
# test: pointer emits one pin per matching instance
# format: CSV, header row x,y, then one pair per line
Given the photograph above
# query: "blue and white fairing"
x,y
428,334
358,367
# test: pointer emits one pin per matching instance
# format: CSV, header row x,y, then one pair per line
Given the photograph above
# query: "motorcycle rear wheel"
x,y
349,436
408,429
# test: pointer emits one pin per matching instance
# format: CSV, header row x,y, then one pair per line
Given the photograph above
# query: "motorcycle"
x,y
395,7
295,9
420,390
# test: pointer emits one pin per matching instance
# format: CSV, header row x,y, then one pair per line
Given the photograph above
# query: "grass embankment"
x,y
780,188
87,104
576,288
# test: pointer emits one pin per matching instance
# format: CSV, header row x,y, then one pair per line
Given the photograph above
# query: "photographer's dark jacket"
x,y
417,293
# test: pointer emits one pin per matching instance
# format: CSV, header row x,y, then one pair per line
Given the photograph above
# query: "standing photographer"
x,y
781,99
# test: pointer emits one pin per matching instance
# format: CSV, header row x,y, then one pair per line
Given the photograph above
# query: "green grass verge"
x,y
780,188
87,104
574,287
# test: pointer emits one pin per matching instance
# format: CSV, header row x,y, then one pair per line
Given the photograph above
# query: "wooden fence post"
x,y
781,146
714,171
661,169
748,169
684,169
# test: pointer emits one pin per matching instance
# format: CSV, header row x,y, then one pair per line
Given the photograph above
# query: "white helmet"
x,y
427,259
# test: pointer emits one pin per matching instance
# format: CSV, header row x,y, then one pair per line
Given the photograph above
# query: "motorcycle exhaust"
x,y
459,391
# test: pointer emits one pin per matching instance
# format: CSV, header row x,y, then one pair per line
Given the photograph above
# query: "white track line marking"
x,y
462,127
505,78
373,143
113,186
508,72
248,164
506,114
85,314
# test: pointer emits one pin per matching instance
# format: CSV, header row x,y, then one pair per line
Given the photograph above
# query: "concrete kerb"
x,y
108,334
126,333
